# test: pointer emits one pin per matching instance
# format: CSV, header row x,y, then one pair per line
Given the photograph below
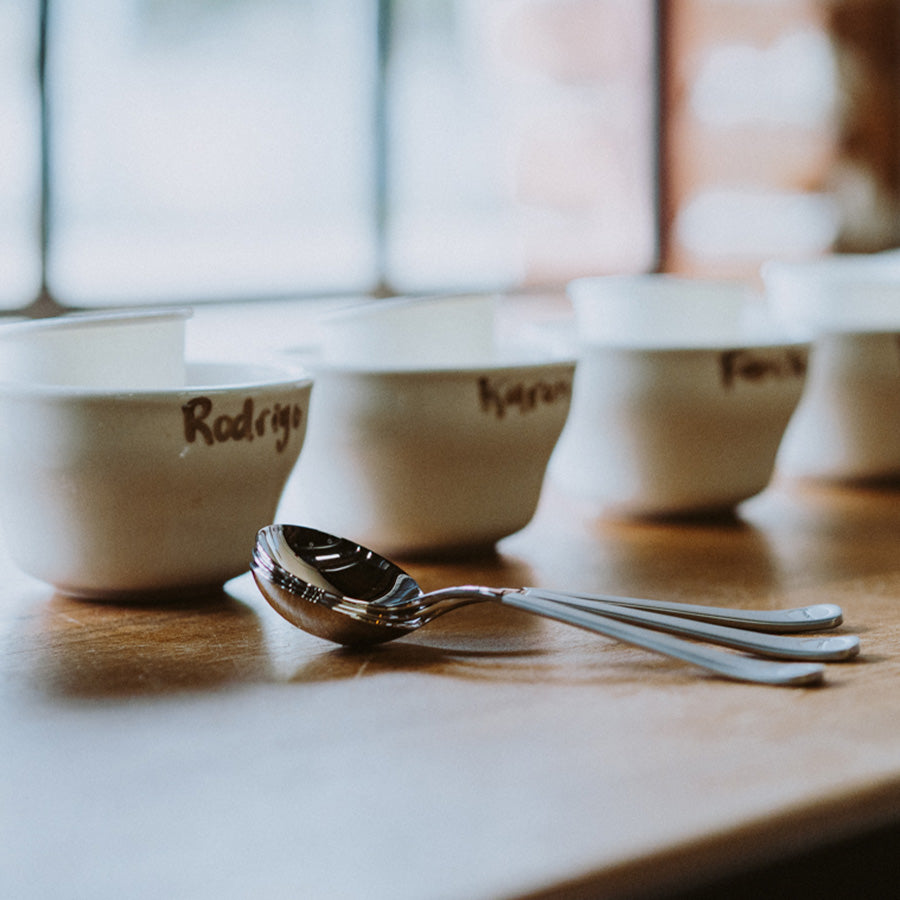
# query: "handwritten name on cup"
x,y
498,396
755,366
204,421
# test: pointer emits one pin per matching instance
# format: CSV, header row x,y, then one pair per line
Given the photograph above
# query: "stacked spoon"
x,y
339,590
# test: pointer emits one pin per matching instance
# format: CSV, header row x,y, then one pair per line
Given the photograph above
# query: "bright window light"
x,y
20,262
210,149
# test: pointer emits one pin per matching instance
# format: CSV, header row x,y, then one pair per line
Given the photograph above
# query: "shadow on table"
x,y
484,641
718,559
607,663
107,650
490,642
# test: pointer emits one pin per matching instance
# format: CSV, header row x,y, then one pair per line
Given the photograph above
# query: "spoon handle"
x,y
803,618
730,665
777,646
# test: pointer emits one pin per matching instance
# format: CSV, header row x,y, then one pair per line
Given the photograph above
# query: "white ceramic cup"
x,y
666,311
847,426
113,493
679,405
836,294
421,462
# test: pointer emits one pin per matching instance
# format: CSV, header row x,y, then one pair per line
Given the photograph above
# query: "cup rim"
x,y
366,308
735,287
518,359
258,376
106,318
776,343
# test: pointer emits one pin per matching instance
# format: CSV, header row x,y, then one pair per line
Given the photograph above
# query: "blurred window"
x,y
522,136
241,149
20,258
781,131
210,148
256,148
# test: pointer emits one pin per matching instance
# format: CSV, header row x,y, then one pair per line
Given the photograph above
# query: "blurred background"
x,y
190,150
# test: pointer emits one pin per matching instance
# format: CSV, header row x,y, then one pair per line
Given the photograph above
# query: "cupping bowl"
x,y
682,395
846,426
419,457
144,491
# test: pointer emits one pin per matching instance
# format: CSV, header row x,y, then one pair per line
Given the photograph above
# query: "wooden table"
x,y
212,750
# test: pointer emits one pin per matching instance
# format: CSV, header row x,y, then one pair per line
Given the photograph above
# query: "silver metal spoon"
x,y
424,607
778,646
815,617
415,609
338,590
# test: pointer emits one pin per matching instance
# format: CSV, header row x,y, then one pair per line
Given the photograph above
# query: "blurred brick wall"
x,y
866,178
780,133
780,130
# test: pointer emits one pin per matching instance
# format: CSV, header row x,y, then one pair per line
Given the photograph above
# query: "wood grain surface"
x,y
210,749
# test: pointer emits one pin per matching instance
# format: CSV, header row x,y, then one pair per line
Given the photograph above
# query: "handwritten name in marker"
x,y
203,421
756,366
497,397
